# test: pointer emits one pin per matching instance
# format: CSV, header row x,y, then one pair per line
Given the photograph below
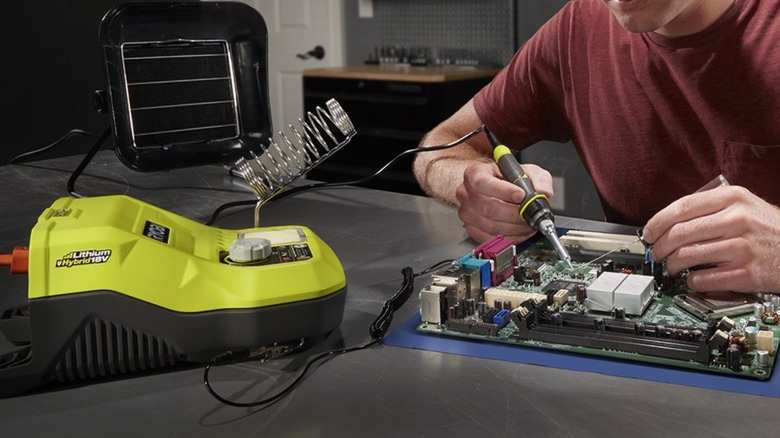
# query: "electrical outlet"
x,y
558,202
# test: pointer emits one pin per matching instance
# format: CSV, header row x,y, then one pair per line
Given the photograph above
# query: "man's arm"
x,y
467,176
441,172
729,227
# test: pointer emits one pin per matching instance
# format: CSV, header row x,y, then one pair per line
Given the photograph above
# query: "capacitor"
x,y
498,304
506,305
768,307
470,306
696,335
661,331
620,313
753,321
762,358
751,332
639,329
580,293
519,274
758,310
481,308
557,318
733,357
452,312
776,301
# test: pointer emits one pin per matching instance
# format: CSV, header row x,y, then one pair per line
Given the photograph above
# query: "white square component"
x,y
610,290
601,292
431,304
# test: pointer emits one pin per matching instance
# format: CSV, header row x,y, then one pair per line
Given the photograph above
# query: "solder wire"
x,y
624,246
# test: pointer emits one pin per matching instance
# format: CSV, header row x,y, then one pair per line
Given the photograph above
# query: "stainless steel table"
x,y
381,391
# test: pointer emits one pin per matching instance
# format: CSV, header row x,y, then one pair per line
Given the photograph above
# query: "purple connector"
x,y
502,256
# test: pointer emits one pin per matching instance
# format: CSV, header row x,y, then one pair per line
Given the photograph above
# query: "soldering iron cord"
x,y
323,185
377,331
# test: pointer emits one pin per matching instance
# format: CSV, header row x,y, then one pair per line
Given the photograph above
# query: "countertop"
x,y
382,391
402,73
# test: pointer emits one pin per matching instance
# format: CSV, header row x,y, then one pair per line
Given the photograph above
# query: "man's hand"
x,y
489,203
729,227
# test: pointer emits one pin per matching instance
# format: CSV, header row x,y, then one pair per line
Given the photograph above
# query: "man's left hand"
x,y
728,227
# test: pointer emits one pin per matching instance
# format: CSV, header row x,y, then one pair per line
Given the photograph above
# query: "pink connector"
x,y
502,256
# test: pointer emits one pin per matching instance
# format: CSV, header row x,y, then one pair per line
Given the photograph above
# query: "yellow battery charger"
x,y
117,286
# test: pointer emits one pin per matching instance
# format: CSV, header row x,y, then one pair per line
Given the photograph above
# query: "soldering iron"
x,y
535,207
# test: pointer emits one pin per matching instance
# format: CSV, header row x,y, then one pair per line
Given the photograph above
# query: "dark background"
x,y
52,65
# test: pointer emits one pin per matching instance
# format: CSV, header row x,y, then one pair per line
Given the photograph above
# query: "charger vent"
x,y
105,349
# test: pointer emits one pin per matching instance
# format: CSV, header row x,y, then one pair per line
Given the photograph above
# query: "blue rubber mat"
x,y
406,335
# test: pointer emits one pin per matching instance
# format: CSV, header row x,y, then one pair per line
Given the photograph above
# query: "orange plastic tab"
x,y
18,260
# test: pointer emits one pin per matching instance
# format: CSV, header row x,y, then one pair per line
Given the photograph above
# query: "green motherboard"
x,y
607,308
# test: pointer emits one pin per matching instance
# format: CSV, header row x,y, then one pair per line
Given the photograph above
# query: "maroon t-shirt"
x,y
652,118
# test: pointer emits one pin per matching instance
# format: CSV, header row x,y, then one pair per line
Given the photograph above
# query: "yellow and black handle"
x,y
535,206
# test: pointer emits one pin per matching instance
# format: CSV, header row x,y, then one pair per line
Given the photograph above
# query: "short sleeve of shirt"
x,y
525,102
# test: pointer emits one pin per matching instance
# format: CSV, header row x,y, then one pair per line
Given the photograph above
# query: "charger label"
x,y
157,232
86,257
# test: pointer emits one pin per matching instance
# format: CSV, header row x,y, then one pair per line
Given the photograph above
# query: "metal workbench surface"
x,y
381,391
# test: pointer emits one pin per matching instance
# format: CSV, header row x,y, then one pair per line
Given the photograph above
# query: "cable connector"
x,y
262,354
18,260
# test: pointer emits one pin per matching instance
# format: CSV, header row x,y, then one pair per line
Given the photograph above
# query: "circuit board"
x,y
624,308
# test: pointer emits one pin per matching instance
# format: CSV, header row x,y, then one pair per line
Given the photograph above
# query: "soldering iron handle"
x,y
535,206
513,171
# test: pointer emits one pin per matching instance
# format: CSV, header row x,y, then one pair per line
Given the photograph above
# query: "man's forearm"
x,y
440,173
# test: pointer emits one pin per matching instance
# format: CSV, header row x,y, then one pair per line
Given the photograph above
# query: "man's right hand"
x,y
489,205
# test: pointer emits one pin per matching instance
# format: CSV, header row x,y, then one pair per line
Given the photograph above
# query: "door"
x,y
296,27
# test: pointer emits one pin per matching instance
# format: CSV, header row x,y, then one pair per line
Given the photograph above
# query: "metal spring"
x,y
284,161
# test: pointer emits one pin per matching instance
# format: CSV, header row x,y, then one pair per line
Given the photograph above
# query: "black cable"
x,y
226,206
368,178
380,326
436,266
322,185
63,139
85,161
231,356
377,330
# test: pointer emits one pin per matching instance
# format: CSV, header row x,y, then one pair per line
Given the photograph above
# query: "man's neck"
x,y
699,16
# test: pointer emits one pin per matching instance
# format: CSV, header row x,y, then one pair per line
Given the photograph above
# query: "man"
x,y
658,97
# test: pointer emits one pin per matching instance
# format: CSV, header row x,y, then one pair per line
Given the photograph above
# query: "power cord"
x,y
63,139
377,331
323,185
85,161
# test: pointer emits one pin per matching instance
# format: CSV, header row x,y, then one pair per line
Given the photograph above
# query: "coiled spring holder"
x,y
321,135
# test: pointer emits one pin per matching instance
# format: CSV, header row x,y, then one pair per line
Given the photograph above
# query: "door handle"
x,y
318,52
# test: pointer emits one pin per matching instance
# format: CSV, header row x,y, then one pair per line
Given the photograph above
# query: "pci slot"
x,y
611,334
